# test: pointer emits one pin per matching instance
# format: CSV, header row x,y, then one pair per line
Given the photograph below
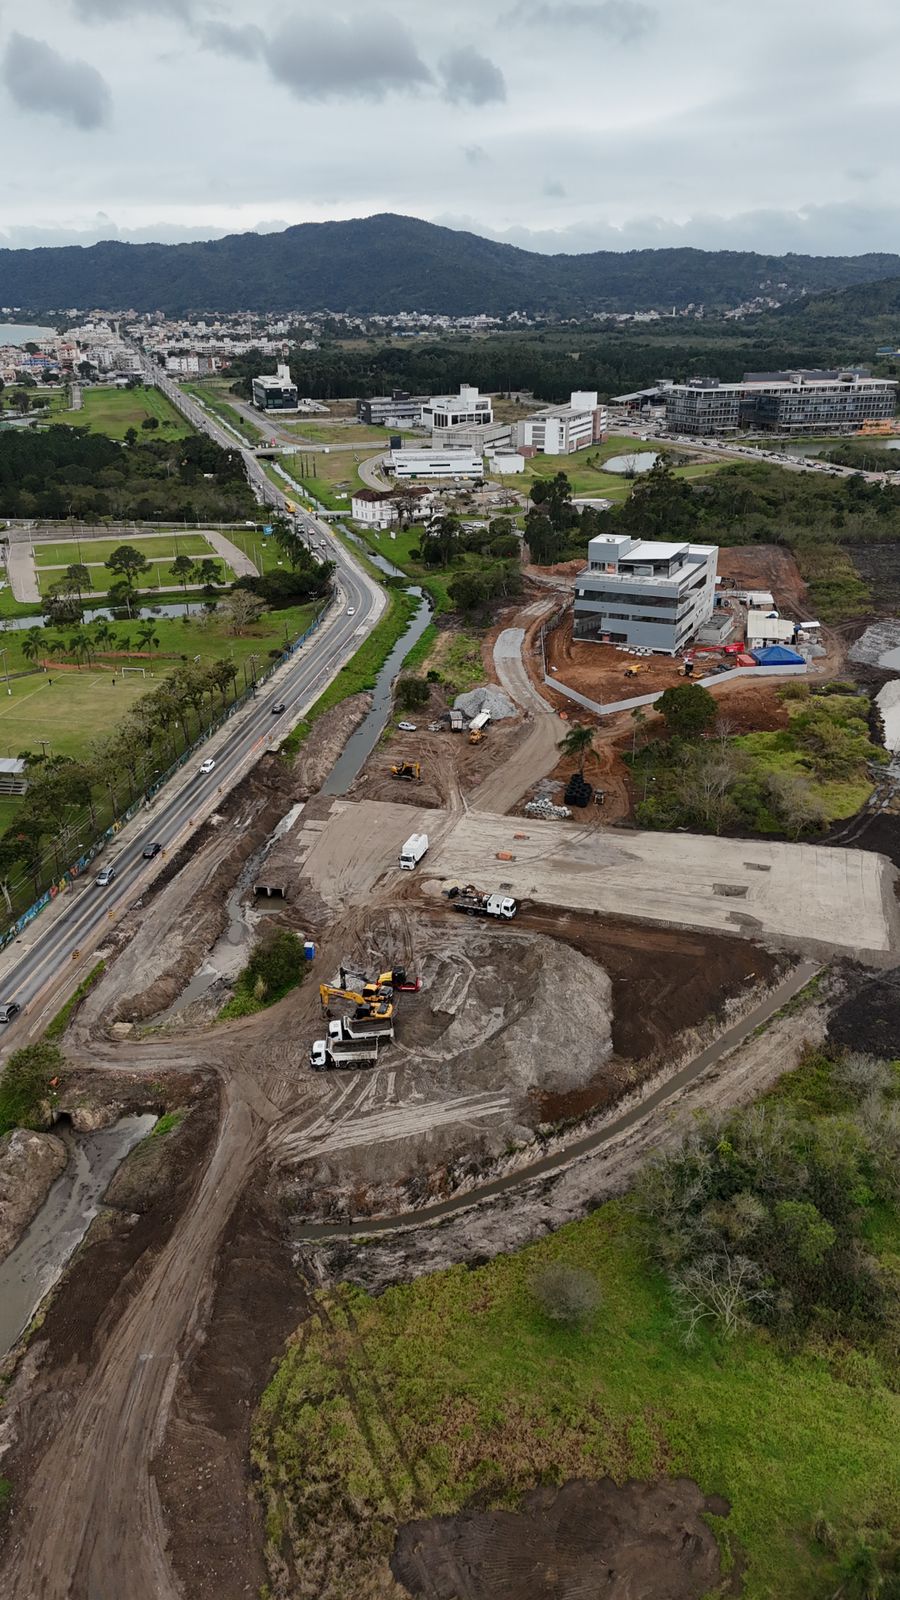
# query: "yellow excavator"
x,y
407,769
371,1004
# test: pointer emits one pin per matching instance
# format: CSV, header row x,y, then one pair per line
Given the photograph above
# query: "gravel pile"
x,y
487,698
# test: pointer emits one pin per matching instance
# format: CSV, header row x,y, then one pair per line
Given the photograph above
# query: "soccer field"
x,y
67,708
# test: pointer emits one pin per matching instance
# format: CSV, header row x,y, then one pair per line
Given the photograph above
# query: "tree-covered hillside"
x,y
391,263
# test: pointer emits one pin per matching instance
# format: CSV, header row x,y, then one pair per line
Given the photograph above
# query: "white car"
x,y
407,727
207,765
351,611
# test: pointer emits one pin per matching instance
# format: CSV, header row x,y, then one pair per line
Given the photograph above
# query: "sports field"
x,y
67,708
159,547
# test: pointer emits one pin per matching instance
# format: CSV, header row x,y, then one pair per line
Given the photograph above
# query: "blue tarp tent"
x,y
777,655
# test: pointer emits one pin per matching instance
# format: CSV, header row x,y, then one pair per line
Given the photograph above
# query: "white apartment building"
x,y
431,464
644,593
561,430
467,409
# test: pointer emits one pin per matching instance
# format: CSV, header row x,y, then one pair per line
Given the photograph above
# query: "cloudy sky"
x,y
555,124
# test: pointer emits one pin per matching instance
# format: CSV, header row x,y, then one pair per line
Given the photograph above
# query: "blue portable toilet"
x,y
309,950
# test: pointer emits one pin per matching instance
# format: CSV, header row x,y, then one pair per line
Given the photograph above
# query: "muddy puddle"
x,y
47,1244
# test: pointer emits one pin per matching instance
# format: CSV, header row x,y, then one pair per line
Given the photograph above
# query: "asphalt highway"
x,y
50,949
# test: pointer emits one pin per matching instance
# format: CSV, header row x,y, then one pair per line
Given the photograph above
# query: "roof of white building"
x,y
761,626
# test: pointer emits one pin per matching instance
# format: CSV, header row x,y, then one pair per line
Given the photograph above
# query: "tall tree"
x,y
578,744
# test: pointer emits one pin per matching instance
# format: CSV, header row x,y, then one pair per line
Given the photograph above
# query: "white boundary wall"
x,y
650,699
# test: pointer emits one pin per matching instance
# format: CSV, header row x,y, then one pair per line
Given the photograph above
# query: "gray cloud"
x,y
554,190
624,20
39,79
475,154
469,78
363,57
121,10
245,41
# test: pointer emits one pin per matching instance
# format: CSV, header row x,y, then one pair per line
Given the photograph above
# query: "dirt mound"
x,y
29,1162
585,1539
487,698
510,1009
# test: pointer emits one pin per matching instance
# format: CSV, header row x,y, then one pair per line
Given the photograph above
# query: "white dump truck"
x,y
479,722
361,1027
413,851
475,903
328,1053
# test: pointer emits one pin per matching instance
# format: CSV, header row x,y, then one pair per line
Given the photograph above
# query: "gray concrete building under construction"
x,y
644,593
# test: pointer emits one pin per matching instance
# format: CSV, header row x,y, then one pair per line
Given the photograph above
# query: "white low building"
x,y
450,465
507,463
561,430
768,628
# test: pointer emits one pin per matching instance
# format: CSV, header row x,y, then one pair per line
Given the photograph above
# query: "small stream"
x,y
361,743
52,1238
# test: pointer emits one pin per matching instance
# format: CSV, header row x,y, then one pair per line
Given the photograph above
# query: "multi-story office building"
x,y
561,430
276,394
396,410
841,401
644,593
467,409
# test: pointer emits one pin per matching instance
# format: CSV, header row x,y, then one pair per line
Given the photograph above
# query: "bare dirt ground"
x,y
765,566
129,1412
588,1538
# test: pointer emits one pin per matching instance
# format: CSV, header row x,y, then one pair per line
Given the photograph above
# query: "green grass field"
x,y
776,752
160,547
70,711
114,411
83,702
584,469
154,583
462,1376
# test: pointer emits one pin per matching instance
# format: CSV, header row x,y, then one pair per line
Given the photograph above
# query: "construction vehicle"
x,y
326,1054
376,1013
476,735
475,903
407,769
632,672
382,986
413,851
341,1029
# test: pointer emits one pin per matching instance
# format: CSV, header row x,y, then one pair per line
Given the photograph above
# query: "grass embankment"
x,y
114,411
214,400
332,479
362,670
27,1085
836,589
58,1024
460,1389
585,469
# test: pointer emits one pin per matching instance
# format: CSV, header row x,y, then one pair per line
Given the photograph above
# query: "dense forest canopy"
x,y
72,472
391,263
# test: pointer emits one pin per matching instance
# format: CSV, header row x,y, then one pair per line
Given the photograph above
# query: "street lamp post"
x,y
6,671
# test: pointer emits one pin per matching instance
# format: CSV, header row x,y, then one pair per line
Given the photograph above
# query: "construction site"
x,y
484,988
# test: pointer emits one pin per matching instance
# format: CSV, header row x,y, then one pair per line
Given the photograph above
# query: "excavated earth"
x,y
590,1539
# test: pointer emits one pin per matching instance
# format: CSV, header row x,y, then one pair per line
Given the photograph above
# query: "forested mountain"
x,y
391,263
868,311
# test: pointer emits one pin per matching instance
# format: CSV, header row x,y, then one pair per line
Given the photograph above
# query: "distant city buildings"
x,y
646,594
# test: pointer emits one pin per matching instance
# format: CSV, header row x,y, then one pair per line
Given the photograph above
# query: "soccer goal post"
x,y
141,670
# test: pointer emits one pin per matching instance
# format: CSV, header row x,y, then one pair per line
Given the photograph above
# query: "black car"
x,y
151,851
8,1010
278,707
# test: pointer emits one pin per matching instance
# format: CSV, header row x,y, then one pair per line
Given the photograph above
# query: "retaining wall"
x,y
613,706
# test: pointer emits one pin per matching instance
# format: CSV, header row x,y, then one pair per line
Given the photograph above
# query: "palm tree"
x,y
33,644
147,636
79,647
103,633
125,643
578,744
